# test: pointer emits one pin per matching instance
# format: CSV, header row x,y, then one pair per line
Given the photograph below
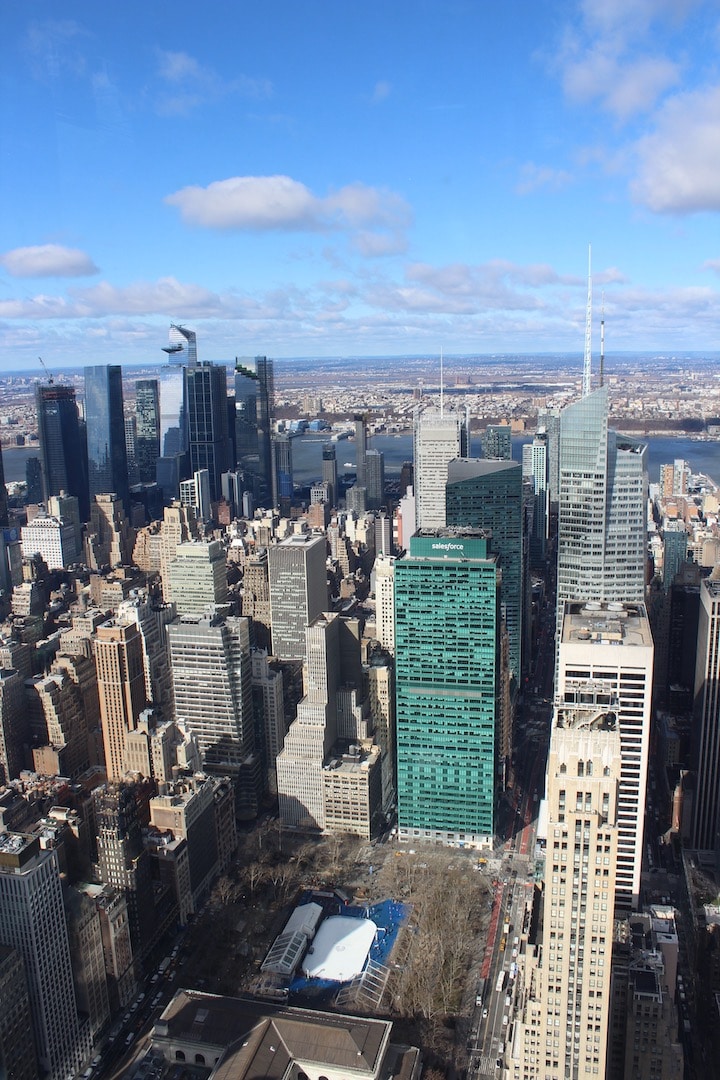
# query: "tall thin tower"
x,y
587,362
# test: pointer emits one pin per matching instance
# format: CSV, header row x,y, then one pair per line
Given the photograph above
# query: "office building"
x,y
189,811
269,703
384,578
446,644
253,417
32,921
147,429
88,960
57,725
298,590
256,597
487,495
606,651
152,618
548,423
123,861
54,539
63,453
17,1047
563,1025
210,662
329,472
540,504
706,728
438,438
380,680
14,725
197,577
206,416
313,731
110,538
602,507
675,550
375,479
497,442
282,473
105,426
195,494
121,689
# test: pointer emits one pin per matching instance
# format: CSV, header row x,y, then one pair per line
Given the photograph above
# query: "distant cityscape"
x,y
360,717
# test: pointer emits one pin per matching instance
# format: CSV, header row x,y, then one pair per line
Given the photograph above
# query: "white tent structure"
x,y
340,949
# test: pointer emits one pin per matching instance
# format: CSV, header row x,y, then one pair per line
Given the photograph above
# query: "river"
x,y
703,456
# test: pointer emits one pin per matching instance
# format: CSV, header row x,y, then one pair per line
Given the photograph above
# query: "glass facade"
x,y
63,454
107,455
206,411
147,428
487,495
446,620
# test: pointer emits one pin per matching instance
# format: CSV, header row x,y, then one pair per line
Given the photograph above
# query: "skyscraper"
x,y
147,428
121,686
32,920
360,448
210,660
568,972
63,453
375,479
606,656
446,627
497,442
487,495
329,472
602,507
282,473
706,734
298,590
540,498
197,577
206,413
438,438
105,423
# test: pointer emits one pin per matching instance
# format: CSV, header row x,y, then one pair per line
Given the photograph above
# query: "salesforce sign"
x,y
448,547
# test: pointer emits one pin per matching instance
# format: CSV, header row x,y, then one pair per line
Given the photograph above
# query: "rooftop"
x,y
605,623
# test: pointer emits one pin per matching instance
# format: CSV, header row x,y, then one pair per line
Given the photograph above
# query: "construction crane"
x,y
44,367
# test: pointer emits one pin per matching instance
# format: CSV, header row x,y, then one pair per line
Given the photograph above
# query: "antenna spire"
x,y
602,339
587,362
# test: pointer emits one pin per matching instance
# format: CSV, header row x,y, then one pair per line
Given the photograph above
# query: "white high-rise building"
x,y
298,590
438,438
384,572
606,656
32,920
563,1023
52,538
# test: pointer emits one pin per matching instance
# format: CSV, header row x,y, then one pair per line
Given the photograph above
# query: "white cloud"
x,y
189,84
679,163
533,177
623,86
55,47
375,218
48,260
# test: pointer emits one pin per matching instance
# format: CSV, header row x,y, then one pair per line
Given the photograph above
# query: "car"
x,y
485,1012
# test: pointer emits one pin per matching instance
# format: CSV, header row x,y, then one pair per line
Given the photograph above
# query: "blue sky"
x,y
337,178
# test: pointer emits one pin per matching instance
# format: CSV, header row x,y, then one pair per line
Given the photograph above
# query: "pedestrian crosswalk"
x,y
486,1066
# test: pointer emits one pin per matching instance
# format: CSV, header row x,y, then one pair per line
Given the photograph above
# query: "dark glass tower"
x,y
206,415
107,455
329,472
282,473
147,428
253,419
63,453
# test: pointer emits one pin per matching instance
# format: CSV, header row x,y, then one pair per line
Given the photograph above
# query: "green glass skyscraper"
x,y
487,495
446,623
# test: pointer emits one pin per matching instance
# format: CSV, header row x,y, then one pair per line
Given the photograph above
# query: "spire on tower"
x,y
587,362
